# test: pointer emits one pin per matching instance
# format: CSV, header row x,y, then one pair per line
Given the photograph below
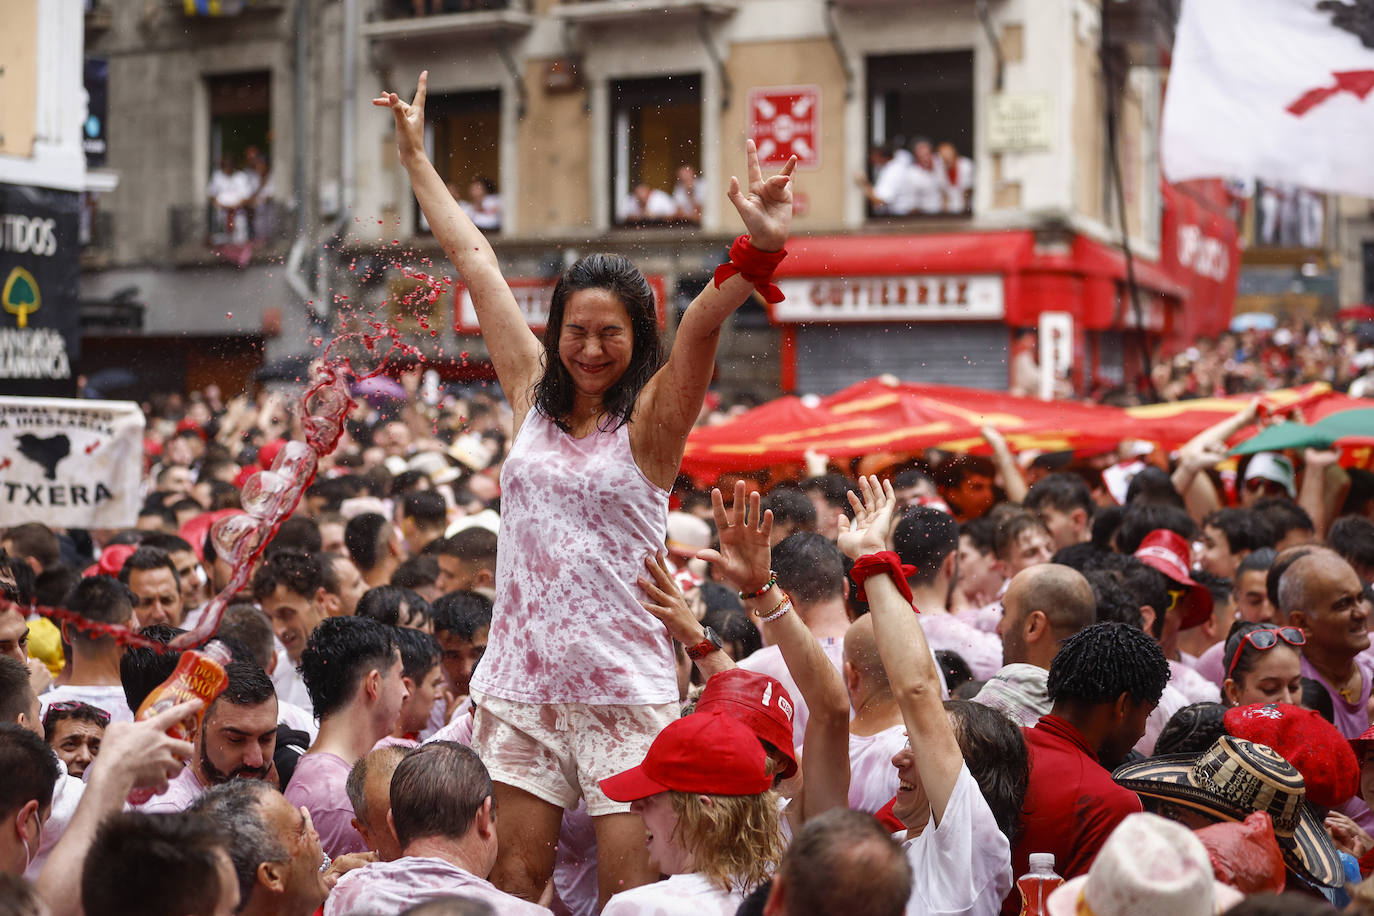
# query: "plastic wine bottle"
x,y
1037,884
200,676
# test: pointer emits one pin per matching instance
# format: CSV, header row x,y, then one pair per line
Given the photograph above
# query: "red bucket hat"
x,y
1167,552
711,754
760,702
1302,737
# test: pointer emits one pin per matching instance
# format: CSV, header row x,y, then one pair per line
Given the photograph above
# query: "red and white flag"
x,y
1276,90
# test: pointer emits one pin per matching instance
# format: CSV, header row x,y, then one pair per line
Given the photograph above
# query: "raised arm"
x,y
743,560
902,646
132,755
672,399
515,351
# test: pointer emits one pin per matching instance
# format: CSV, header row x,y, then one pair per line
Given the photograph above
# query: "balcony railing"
x,y
200,231
412,9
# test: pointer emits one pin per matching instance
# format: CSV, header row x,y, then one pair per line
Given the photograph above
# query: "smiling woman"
x,y
601,417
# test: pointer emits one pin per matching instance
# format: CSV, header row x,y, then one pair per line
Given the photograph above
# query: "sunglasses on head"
x,y
76,706
1266,638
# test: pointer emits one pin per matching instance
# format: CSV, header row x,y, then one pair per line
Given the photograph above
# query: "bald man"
x,y
1043,606
369,791
876,731
1322,595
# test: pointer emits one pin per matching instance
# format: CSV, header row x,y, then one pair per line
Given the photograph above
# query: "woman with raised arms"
x,y
578,678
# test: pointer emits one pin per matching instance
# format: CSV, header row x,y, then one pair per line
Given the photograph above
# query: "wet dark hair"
x,y
1100,663
1062,491
1318,699
1192,730
924,538
1243,529
1283,515
790,504
809,567
1152,487
553,393
420,652
461,613
996,757
152,863
299,572
386,603
1142,518
338,654
1114,603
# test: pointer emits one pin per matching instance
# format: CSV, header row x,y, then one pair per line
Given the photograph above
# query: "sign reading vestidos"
x,y
927,296
70,463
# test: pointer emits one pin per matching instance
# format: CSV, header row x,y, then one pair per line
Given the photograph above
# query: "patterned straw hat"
x,y
1234,778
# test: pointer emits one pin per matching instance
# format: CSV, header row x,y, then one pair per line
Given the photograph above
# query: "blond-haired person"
x,y
705,794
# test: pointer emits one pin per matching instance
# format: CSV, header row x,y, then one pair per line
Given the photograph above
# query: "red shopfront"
x,y
946,308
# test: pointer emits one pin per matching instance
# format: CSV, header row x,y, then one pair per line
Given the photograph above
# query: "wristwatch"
x,y
710,642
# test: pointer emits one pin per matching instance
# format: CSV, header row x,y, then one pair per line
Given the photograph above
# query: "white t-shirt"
x,y
107,697
66,795
872,777
930,189
289,684
1171,702
896,184
982,651
390,887
660,205
963,864
1192,685
679,895
181,792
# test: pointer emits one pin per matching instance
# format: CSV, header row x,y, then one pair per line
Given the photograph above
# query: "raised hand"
x,y
744,534
767,206
410,119
872,518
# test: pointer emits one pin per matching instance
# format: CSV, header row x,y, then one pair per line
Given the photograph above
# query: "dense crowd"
x,y
504,658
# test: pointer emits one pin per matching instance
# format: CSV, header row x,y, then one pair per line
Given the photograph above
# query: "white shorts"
x,y
560,752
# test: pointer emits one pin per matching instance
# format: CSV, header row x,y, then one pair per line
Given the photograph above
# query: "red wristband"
x,y
755,266
885,561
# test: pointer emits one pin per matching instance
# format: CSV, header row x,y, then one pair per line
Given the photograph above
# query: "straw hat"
x,y
1149,866
1231,780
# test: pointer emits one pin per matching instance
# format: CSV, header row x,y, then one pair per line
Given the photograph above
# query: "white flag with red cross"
x,y
1276,90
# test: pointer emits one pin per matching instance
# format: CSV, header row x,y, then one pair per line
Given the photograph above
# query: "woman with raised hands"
x,y
958,848
578,678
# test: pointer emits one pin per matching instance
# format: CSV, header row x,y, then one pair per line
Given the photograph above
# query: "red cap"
x,y
1361,744
248,470
196,529
111,560
1302,737
1167,552
760,702
187,423
710,754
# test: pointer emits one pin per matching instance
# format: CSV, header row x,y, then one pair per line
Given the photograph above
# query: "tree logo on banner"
x,y
785,121
21,295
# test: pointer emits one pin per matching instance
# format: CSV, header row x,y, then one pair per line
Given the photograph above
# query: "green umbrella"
x,y
1324,433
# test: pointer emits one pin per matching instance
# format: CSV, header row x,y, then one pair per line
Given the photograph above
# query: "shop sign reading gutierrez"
x,y
923,297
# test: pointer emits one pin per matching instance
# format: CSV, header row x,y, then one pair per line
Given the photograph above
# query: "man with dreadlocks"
x,y
1103,683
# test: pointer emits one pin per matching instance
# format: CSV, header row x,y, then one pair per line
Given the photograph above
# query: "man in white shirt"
x,y
441,807
646,204
94,677
930,184
876,731
894,187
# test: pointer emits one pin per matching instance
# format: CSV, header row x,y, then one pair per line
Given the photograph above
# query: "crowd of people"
x,y
918,179
1293,352
504,658
647,205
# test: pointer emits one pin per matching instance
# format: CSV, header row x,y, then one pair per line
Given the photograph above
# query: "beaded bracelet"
x,y
772,581
781,608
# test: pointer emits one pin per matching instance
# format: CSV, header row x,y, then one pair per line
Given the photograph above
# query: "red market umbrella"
x,y
885,416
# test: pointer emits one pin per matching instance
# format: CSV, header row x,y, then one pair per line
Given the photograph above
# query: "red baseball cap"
x,y
760,702
1302,737
1361,744
1167,552
111,561
711,754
